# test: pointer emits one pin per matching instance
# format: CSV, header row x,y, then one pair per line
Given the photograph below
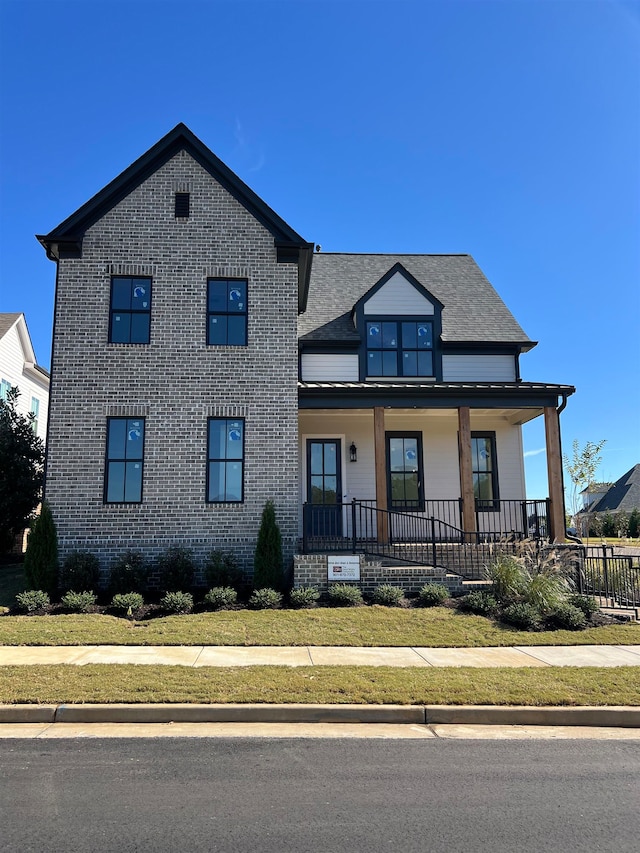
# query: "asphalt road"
x,y
301,795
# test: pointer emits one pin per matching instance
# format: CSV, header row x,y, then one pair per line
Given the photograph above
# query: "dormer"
x,y
400,325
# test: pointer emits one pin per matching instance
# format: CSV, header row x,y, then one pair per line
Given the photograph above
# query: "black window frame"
x,y
182,205
391,504
399,349
244,312
491,504
226,460
131,311
109,460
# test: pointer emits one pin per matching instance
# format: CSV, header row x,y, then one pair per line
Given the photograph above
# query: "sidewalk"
x,y
198,656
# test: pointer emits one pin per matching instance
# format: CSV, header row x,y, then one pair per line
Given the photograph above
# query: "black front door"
x,y
324,487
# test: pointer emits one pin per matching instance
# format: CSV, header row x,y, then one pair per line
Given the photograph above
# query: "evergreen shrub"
x,y
344,595
265,599
432,594
304,596
267,563
79,602
80,570
221,597
177,602
387,595
176,568
32,600
41,559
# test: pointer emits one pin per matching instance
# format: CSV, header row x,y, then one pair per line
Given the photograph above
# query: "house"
x,y
621,496
206,359
592,494
18,368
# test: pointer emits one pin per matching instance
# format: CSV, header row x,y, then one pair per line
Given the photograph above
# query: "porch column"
x,y
381,473
466,473
554,474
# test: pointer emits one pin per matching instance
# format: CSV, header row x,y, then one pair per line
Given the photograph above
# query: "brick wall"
x,y
177,381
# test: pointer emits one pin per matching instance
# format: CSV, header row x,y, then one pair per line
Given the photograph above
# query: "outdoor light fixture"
x,y
353,453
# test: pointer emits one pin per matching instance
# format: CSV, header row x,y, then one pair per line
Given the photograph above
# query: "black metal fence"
x,y
612,578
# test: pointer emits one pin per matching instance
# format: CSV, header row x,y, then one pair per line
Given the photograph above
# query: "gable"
x,y
398,296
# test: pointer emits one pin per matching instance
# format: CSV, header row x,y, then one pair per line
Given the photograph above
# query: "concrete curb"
x,y
608,716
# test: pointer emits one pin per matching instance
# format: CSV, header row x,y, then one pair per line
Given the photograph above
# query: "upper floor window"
x,y
4,389
225,460
181,209
227,312
130,320
124,460
35,411
485,471
399,348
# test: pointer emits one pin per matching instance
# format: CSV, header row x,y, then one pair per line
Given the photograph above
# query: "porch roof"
x,y
433,395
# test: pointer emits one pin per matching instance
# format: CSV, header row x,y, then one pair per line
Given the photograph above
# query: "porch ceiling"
x,y
513,416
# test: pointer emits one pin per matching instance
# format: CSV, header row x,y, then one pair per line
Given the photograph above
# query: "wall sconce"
x,y
353,453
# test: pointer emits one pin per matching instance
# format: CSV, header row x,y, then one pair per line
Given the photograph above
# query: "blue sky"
x,y
508,130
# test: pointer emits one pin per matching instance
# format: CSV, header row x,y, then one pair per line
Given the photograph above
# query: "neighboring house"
x,y
18,368
593,493
622,496
205,360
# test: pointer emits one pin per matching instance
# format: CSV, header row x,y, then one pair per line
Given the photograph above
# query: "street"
x,y
319,795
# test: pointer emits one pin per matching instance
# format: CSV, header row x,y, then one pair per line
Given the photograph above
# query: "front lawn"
x,y
105,683
324,626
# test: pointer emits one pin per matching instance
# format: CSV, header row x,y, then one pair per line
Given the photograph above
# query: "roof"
x,y
67,236
473,312
6,322
624,495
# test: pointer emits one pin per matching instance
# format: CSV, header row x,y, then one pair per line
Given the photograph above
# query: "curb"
x,y
608,716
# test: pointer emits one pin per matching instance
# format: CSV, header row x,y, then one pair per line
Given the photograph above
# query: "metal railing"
x,y
613,579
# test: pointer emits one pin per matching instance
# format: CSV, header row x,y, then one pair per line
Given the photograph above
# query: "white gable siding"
x,y
398,296
330,366
478,368
12,369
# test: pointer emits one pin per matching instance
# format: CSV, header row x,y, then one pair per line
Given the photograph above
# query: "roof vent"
x,y
182,205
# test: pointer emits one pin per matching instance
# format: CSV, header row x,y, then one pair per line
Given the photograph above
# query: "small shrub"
x,y
387,595
586,603
221,597
507,577
304,596
41,558
522,615
268,563
79,602
32,600
545,591
80,570
481,602
176,568
177,602
345,595
221,569
265,599
127,601
567,616
128,573
432,594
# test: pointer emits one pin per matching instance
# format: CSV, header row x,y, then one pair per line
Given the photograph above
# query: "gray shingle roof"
x,y
473,311
623,495
6,322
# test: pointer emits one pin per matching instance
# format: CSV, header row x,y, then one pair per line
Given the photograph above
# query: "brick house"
x,y
206,360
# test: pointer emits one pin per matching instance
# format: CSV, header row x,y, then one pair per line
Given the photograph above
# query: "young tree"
x,y
21,469
581,469
41,559
267,563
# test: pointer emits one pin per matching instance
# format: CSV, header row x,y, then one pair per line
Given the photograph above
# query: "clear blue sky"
x,y
508,130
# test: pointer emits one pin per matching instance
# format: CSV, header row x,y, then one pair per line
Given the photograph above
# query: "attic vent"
x,y
182,205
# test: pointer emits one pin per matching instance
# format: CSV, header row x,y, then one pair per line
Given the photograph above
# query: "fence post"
x,y
605,566
434,554
353,527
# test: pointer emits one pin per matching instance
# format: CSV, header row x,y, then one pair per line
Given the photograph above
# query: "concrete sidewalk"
x,y
198,656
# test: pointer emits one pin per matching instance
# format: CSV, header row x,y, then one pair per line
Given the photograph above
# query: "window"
x,y
124,463
400,348
485,471
404,471
227,312
182,206
225,460
4,389
130,320
35,411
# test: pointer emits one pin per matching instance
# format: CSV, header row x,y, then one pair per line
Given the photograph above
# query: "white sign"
x,y
343,568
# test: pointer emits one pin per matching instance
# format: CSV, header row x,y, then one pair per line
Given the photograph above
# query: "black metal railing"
x,y
612,578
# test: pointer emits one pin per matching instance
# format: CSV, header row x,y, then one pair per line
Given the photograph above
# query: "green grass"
x,y
320,684
358,626
12,581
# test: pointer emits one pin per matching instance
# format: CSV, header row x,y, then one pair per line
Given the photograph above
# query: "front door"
x,y
324,487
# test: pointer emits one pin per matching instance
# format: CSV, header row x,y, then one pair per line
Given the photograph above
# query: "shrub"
x,y
344,595
80,570
432,594
126,602
177,602
79,602
265,599
221,597
567,616
304,596
176,568
41,558
128,573
480,602
634,523
507,577
522,615
267,563
221,569
586,603
32,600
545,591
609,525
387,595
